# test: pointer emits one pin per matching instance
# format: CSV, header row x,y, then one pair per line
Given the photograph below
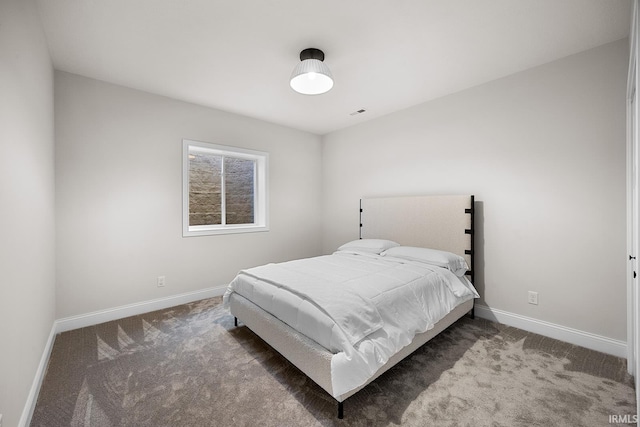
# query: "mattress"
x,y
363,308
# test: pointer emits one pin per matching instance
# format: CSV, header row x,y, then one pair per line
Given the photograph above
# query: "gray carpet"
x,y
189,366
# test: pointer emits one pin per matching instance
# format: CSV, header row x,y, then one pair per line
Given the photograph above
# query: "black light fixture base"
x,y
312,53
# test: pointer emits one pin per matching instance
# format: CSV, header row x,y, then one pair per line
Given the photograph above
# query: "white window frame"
x,y
261,205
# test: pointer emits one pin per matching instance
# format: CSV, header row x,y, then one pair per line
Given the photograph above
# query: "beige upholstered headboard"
x,y
437,222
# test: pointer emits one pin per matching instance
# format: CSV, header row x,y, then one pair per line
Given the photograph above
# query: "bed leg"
x,y
473,312
235,321
340,410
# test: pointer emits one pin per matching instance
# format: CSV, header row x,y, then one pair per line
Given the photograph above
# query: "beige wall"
x,y
27,291
544,153
119,196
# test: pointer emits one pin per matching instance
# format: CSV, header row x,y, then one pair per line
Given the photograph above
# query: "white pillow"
x,y
448,260
373,246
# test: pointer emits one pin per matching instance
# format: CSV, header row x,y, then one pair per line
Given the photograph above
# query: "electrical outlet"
x,y
160,285
533,298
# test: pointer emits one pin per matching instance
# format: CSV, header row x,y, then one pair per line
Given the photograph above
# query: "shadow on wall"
x,y
478,242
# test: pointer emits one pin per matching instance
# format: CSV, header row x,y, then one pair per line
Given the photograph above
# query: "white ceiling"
x,y
385,55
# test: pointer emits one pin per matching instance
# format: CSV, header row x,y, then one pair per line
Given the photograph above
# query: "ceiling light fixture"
x,y
311,76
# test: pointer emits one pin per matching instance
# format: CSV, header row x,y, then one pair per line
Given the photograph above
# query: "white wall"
x,y
27,291
544,153
119,200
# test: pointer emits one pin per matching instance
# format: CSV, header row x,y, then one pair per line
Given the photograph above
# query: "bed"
x,y
406,279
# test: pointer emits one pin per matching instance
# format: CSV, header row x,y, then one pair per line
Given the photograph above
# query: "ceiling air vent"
x,y
355,113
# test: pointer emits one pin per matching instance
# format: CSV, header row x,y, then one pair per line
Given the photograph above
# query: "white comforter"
x,y
364,308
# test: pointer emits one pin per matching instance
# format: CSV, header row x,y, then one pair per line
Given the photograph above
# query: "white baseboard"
x,y
32,397
101,316
551,330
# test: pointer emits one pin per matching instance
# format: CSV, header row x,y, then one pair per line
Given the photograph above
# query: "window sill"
x,y
206,231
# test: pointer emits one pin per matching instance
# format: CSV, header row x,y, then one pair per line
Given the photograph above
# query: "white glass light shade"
x,y
311,77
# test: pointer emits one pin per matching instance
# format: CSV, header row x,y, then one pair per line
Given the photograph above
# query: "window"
x,y
224,189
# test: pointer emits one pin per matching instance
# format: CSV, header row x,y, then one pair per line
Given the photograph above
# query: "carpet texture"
x,y
189,366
